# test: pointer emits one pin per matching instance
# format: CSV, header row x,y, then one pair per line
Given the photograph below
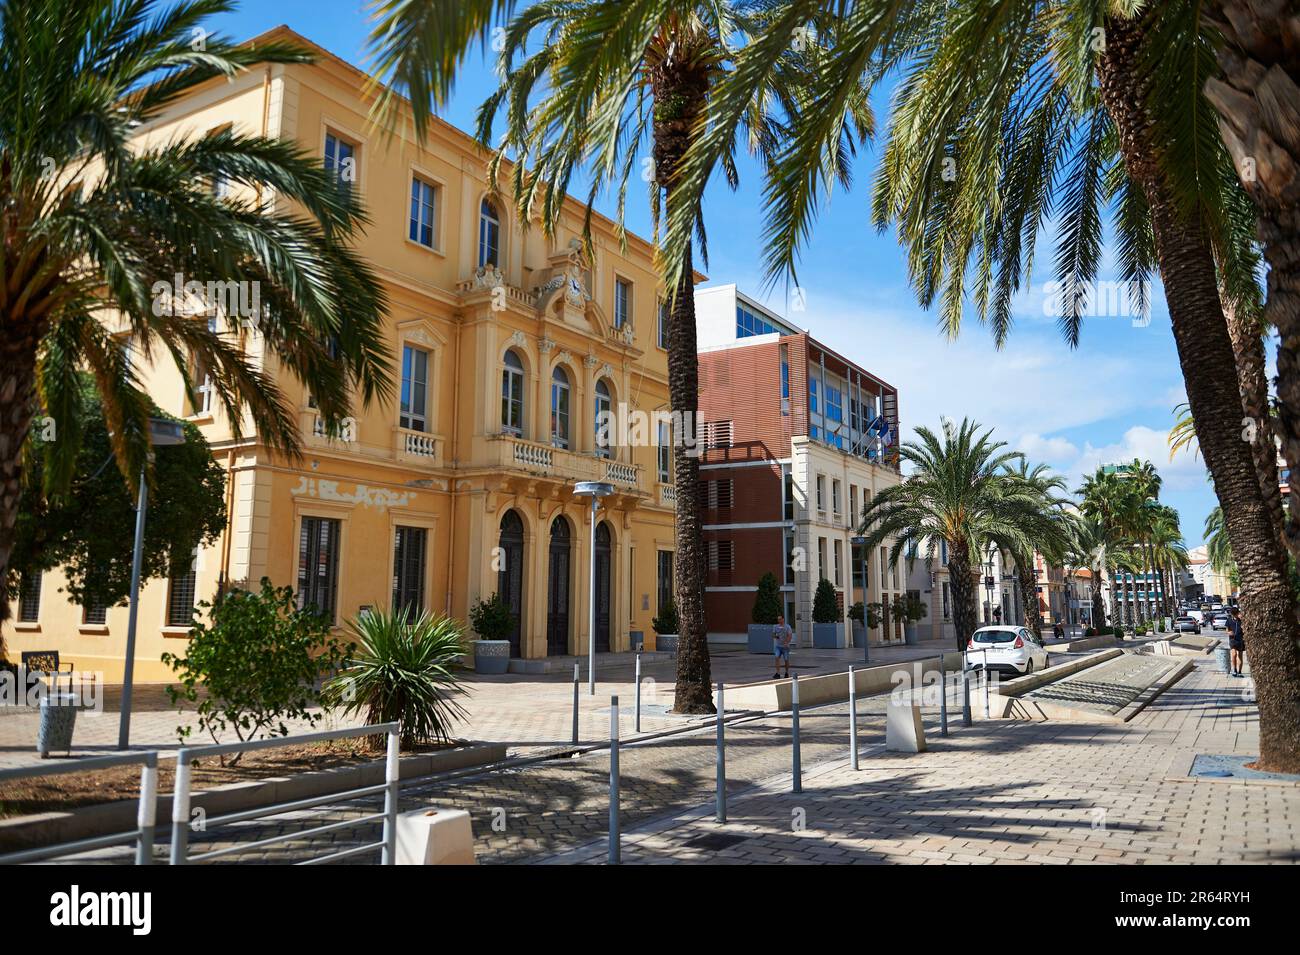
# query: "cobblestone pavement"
x,y
1014,792
998,791
532,713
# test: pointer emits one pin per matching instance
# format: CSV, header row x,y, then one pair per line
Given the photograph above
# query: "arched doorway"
x,y
510,576
604,586
557,589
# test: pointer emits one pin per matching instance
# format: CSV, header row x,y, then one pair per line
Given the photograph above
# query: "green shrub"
x,y
825,607
403,669
491,618
910,608
666,621
858,612
259,659
767,602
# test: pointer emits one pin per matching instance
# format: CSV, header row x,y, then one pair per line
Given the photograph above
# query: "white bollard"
x,y
904,732
435,837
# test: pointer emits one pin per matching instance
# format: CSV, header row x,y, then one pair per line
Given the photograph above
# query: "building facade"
x,y
795,440
507,347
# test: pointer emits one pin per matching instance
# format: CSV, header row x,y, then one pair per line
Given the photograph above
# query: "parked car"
x,y
1219,621
1005,649
1187,624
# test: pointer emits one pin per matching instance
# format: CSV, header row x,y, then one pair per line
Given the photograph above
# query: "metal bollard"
x,y
576,682
965,691
722,760
943,697
794,715
147,815
181,808
637,724
984,678
393,782
613,781
853,720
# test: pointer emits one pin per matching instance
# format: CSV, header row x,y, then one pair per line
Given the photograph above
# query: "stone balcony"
x,y
511,453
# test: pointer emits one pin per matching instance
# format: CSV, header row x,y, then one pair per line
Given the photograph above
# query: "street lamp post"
x,y
162,433
595,490
861,544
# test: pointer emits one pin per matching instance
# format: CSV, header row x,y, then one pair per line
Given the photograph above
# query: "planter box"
x,y
667,642
911,634
491,656
859,636
760,638
828,636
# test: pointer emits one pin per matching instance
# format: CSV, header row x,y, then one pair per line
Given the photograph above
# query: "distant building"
x,y
796,440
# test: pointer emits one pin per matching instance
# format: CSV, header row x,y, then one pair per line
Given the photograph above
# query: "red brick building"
x,y
797,438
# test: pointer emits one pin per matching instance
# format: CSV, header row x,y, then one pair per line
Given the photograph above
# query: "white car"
x,y
1004,648
1219,622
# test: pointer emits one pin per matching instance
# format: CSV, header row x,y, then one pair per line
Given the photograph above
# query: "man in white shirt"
x,y
782,637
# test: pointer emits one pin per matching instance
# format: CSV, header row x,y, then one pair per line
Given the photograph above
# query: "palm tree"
x,y
1255,100
1054,540
959,494
1088,548
1013,115
607,77
97,224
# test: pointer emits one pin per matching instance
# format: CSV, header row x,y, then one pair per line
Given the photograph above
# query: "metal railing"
x,y
141,835
387,845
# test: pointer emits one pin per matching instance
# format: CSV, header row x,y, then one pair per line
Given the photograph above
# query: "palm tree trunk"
x,y
17,381
679,97
1033,614
964,613
1098,601
1258,102
1187,268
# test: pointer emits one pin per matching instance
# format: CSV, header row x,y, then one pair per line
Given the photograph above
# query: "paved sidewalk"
x,y
532,713
1014,792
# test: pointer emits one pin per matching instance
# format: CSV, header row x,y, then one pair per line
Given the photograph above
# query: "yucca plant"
x,y
403,669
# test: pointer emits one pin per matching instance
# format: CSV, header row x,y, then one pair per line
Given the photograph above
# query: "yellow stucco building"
x,y
506,345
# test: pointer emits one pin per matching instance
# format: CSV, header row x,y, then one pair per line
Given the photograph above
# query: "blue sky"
x,y
1110,399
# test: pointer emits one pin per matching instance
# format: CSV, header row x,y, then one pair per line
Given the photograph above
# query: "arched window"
x,y
512,394
489,235
560,408
604,418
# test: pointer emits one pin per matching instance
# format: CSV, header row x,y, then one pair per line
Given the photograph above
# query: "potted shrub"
x,y
911,609
665,627
767,607
492,621
827,628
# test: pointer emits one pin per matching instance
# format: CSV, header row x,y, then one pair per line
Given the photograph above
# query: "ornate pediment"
x,y
569,279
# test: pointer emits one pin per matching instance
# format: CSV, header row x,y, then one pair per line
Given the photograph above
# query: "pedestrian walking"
x,y
782,637
1236,641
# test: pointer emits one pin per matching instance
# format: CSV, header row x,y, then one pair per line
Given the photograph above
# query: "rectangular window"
x,y
748,324
95,614
29,597
858,569
665,453
821,493
180,598
884,571
835,497
812,394
785,371
415,389
201,376
341,160
947,608
721,555
821,557
664,578
422,209
789,559
661,331
318,564
720,493
622,303
853,503
409,546
836,553
788,480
